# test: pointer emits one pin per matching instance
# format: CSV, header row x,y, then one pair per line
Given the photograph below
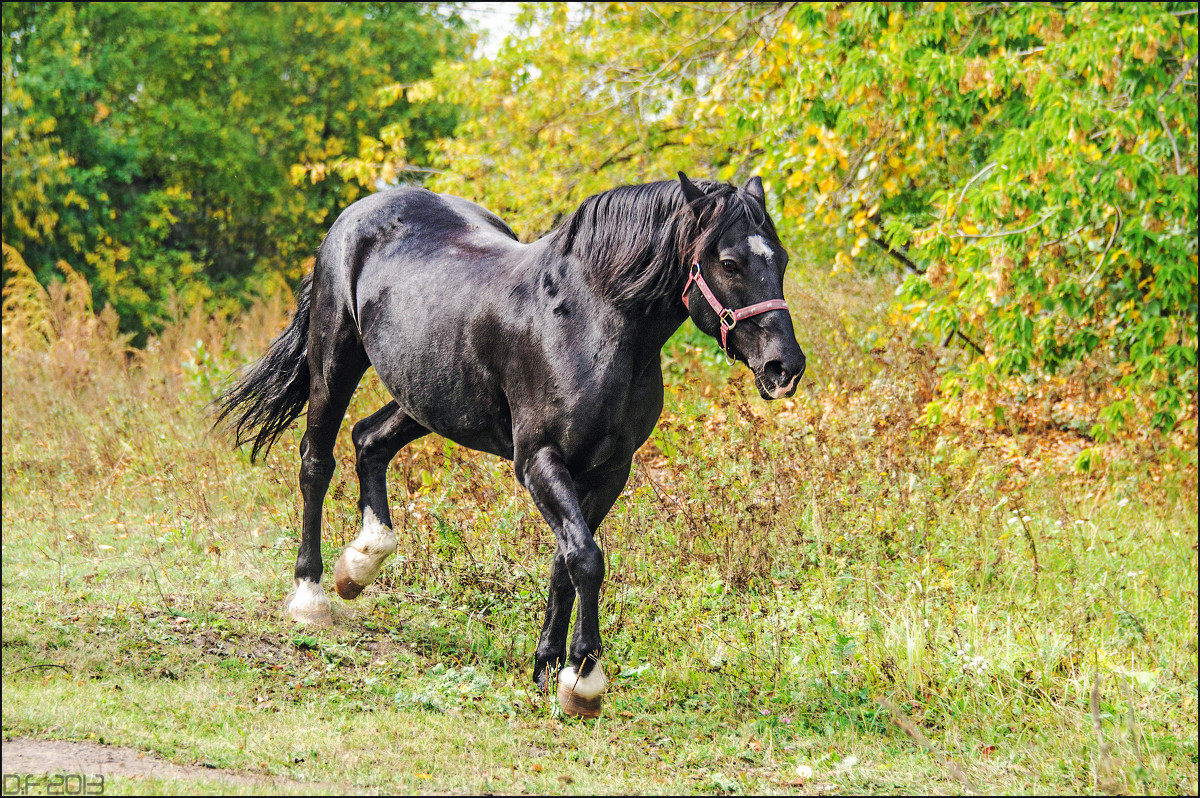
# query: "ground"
x,y
823,594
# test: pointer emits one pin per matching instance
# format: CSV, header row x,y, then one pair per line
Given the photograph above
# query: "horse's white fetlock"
x,y
309,604
588,686
363,559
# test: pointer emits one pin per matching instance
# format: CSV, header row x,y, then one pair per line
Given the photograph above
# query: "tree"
x,y
1031,168
576,101
152,144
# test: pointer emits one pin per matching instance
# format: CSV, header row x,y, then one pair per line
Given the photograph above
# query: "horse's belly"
x,y
465,410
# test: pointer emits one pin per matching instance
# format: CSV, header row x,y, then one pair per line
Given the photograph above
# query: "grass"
x,y
816,595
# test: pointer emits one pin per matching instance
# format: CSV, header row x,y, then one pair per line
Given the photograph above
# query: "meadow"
x,y
822,594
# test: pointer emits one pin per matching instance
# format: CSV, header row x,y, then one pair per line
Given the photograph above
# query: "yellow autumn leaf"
x,y
421,91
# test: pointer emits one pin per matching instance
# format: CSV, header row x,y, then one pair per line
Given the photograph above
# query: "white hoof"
x,y
309,605
363,559
581,697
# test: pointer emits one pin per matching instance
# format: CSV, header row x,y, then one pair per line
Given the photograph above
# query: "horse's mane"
x,y
637,242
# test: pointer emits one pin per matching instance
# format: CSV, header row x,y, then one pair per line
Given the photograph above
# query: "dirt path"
x,y
26,756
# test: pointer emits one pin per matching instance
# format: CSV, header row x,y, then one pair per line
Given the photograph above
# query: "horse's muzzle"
x,y
778,379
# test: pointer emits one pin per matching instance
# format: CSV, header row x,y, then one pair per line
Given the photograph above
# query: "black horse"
x,y
546,354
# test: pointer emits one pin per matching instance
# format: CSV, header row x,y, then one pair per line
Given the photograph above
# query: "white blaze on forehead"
x,y
759,246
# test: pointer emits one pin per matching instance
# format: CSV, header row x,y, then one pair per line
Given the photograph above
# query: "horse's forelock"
x,y
722,208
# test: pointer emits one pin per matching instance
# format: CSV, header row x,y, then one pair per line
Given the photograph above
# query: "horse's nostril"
x,y
784,374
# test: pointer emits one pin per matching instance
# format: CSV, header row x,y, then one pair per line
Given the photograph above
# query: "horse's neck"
x,y
645,326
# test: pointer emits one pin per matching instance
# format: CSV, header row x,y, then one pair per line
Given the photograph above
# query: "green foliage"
x,y
575,102
1032,167
151,145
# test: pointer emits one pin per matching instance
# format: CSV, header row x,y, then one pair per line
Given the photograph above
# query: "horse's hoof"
x,y
309,605
576,706
581,696
347,588
545,677
362,560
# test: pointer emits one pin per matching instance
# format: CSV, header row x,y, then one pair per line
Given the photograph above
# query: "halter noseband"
x,y
727,316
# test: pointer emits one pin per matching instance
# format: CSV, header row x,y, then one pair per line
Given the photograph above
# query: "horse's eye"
x,y
729,266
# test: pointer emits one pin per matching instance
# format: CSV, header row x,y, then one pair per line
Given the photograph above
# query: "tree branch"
x,y
1002,233
1179,78
1171,137
970,183
973,345
903,259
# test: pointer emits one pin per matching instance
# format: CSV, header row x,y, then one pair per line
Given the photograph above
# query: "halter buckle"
x,y
728,318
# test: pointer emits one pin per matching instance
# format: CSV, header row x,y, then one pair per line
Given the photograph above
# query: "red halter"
x,y
728,316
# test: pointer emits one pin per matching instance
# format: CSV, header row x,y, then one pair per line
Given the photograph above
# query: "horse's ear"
x,y
754,188
691,192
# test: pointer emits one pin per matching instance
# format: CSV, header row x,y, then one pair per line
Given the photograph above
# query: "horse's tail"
x,y
272,393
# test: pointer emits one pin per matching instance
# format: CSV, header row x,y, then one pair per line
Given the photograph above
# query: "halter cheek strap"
x,y
728,316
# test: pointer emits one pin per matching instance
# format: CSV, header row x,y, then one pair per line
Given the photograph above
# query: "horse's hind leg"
x,y
337,362
377,438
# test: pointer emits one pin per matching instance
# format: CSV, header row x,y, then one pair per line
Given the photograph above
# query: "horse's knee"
x,y
585,564
371,450
360,434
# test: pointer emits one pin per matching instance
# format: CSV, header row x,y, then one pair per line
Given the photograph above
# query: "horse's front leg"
x,y
596,497
582,682
551,653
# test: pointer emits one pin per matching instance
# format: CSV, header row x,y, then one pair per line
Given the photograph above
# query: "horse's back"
x,y
416,216
414,271
407,234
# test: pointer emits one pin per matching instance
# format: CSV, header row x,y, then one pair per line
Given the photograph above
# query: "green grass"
x,y
774,572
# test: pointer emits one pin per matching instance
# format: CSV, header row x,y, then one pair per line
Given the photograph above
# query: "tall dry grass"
x,y
807,556
80,401
97,420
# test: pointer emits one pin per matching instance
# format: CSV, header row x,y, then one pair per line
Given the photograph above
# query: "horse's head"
x,y
735,289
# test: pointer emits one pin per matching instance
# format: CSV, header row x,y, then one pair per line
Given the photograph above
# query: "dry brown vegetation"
x,y
785,580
